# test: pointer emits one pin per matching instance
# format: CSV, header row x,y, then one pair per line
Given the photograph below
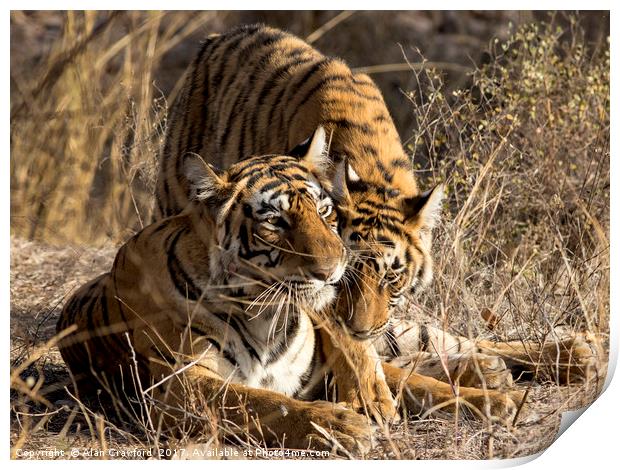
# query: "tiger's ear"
x,y
313,151
345,177
424,210
206,182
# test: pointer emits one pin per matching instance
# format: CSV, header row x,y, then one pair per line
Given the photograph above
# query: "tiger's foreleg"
x,y
464,369
263,415
358,375
420,394
432,352
572,358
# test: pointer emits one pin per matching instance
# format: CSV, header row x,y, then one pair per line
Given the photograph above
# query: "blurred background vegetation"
x,y
90,91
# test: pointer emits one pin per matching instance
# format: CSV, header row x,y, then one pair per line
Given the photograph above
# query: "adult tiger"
x,y
219,303
257,90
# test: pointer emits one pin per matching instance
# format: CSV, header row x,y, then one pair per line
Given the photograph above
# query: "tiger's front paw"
x,y
486,371
375,399
333,425
573,359
494,405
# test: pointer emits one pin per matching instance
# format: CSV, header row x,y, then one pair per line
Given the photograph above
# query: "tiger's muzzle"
x,y
363,305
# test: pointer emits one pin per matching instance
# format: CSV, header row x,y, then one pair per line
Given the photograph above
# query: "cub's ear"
x,y
206,182
345,177
313,151
424,210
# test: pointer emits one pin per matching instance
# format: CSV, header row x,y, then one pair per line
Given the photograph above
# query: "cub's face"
x,y
389,239
276,238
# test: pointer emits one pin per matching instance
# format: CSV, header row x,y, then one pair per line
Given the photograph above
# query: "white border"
x,y
591,442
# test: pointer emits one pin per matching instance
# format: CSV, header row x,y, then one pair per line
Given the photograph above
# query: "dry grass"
x,y
522,253
89,92
525,154
86,131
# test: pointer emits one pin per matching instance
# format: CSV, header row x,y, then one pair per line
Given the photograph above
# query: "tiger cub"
x,y
257,90
217,301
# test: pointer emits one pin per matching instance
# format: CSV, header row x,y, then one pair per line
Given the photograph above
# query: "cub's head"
x,y
273,228
388,233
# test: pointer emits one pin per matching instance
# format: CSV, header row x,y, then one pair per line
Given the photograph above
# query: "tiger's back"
x,y
123,318
258,90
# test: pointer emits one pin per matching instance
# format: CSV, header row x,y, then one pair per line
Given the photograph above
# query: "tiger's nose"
x,y
322,274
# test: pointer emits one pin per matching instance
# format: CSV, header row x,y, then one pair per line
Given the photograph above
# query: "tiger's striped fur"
x,y
257,90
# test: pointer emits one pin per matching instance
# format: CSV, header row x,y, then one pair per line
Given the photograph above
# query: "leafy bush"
x,y
525,155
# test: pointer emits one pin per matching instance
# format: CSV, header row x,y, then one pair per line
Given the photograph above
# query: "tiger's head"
x,y
273,235
388,233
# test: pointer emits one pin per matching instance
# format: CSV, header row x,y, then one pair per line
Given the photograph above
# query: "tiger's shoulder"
x,y
103,322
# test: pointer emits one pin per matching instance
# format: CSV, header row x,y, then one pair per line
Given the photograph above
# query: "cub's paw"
x,y
333,425
495,405
385,411
376,400
573,359
489,371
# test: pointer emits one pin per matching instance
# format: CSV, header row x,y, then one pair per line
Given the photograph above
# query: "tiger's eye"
x,y
325,211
